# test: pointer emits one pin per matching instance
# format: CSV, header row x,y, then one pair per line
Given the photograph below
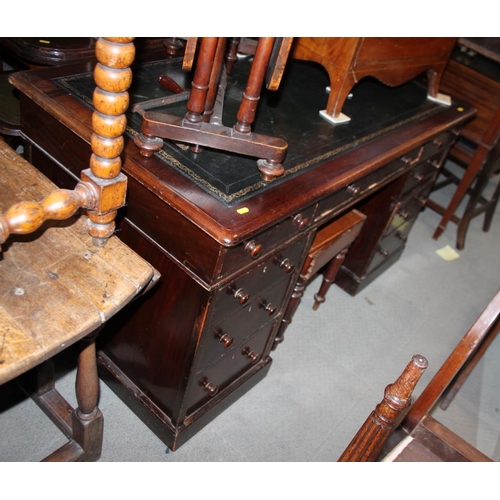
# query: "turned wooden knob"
x,y
251,355
402,236
403,214
270,308
287,265
225,340
253,248
353,190
300,221
210,388
241,296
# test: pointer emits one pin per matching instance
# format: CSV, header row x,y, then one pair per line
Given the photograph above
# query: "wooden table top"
x,y
56,287
233,224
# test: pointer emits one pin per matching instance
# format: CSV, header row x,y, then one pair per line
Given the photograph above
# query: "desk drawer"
x,y
349,195
424,171
426,160
391,244
239,293
219,339
440,143
216,378
247,253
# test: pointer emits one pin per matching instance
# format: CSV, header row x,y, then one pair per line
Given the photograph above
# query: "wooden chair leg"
x,y
468,214
491,209
87,417
329,278
469,175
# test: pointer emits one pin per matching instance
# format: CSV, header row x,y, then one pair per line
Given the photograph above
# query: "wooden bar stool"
x,y
61,282
420,437
328,250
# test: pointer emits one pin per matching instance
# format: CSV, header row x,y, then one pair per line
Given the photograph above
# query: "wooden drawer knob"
x,y
300,222
287,265
353,190
254,249
402,236
384,253
241,296
252,356
268,307
404,214
210,388
225,340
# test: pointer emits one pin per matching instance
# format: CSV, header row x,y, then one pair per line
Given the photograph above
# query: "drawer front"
x,y
432,150
239,293
349,195
214,379
390,244
424,172
219,339
405,212
441,142
258,247
410,206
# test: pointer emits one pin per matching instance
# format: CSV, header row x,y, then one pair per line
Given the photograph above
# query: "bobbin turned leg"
x,y
113,77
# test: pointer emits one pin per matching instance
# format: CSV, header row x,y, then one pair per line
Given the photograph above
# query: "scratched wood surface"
x,y
56,287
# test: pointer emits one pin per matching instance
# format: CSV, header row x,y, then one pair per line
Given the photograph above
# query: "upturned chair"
x,y
420,437
62,281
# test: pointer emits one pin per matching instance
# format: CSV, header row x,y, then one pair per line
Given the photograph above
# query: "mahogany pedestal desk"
x,y
228,246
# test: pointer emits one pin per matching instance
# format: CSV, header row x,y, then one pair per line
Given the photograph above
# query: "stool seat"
x,y
57,287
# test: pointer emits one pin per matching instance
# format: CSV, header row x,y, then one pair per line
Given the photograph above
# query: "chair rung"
x,y
69,452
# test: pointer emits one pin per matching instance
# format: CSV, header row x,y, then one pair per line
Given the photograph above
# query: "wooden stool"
x,y
328,249
421,437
